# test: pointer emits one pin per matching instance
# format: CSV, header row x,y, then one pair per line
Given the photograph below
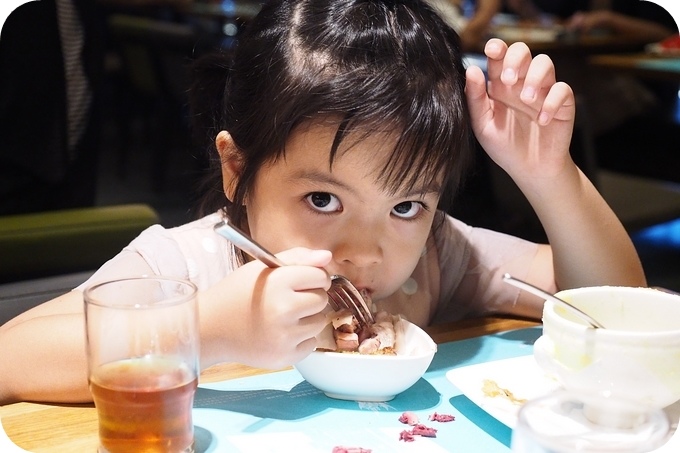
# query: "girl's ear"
x,y
232,163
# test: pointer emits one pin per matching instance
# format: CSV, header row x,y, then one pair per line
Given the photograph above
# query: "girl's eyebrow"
x,y
326,178
421,188
315,176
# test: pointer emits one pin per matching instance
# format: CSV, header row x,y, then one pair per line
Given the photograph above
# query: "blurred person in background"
x,y
642,19
609,99
52,55
470,18
50,66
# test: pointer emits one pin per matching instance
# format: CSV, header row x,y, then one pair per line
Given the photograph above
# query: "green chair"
x,y
59,242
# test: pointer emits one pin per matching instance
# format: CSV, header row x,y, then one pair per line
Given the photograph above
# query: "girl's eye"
x,y
407,209
324,202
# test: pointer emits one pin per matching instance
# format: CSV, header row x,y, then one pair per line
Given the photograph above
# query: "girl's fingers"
x,y
559,102
475,92
306,257
516,63
539,78
495,50
475,85
507,64
520,82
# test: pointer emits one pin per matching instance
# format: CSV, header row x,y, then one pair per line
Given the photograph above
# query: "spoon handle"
x,y
247,244
546,295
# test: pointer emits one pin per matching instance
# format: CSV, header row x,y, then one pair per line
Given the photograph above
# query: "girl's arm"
x,y
257,316
43,356
524,121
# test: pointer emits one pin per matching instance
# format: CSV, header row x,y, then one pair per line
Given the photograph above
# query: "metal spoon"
x,y
546,295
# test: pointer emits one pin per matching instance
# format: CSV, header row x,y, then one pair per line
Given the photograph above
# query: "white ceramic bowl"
x,y
635,358
371,377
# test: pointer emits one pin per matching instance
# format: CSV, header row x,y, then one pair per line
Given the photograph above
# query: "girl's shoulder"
x,y
459,241
192,250
471,263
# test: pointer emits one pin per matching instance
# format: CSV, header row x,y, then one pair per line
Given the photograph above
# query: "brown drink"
x,y
144,405
142,352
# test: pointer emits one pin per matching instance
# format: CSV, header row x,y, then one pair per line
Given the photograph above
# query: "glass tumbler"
x,y
143,352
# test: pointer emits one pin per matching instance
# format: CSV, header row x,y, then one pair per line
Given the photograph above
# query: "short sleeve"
x,y
192,251
472,262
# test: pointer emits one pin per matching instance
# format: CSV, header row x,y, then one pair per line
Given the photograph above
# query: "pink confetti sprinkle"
x,y
425,431
341,449
442,418
406,436
409,418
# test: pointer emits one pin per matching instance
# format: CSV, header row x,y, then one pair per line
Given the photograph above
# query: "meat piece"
x,y
442,418
345,330
344,320
425,431
369,346
381,336
406,436
346,341
418,430
409,418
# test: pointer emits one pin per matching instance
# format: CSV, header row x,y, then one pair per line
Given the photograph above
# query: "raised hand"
x,y
523,118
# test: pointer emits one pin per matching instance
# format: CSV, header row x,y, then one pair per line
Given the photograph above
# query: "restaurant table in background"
x,y
40,427
549,35
643,65
553,39
225,8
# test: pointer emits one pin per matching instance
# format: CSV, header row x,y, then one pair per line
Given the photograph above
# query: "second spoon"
x,y
546,295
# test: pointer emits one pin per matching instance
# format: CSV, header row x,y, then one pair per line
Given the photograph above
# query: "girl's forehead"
x,y
324,144
360,153
331,134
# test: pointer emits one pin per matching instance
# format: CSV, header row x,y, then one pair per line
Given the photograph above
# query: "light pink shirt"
x,y
462,273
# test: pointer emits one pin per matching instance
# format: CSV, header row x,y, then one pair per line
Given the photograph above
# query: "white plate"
x,y
520,375
526,380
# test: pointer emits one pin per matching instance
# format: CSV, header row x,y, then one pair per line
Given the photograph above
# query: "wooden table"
x,y
642,65
73,428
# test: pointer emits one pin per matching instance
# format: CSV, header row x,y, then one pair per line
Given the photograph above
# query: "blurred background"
x,y
93,110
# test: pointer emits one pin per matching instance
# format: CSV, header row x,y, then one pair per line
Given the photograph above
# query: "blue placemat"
x,y
280,412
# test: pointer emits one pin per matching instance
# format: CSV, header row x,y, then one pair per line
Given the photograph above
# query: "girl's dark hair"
x,y
376,65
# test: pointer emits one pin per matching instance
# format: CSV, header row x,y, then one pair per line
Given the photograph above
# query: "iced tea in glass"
x,y
142,339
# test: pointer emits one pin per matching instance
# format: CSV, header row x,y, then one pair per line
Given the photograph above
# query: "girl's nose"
x,y
359,247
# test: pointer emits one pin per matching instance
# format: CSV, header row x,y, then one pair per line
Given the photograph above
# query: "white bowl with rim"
x,y
635,358
375,378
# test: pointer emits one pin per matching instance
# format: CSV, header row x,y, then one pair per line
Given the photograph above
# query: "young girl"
x,y
340,126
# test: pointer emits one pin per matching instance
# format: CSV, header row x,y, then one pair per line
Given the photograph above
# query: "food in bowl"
x,y
369,377
635,358
349,336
